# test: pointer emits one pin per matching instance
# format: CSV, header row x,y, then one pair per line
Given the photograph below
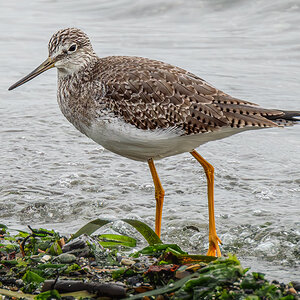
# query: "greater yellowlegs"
x,y
146,110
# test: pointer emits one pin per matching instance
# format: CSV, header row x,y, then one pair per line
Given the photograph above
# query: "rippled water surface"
x,y
53,176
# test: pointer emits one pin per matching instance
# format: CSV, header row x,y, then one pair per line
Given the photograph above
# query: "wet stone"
x,y
7,280
127,262
135,280
119,258
66,258
292,291
77,244
275,282
182,274
138,266
77,247
296,285
46,258
19,282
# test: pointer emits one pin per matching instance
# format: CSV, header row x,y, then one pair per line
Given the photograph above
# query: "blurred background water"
x,y
52,176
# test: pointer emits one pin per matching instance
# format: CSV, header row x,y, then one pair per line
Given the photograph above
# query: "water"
x,y
53,176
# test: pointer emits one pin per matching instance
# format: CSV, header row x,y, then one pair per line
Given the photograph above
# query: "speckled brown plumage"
x,y
151,94
68,35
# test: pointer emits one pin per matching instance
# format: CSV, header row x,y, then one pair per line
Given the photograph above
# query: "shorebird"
x,y
146,109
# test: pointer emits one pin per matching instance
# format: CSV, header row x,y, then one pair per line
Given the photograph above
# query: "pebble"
x,y
296,285
19,282
77,247
292,290
127,262
46,258
119,257
134,280
77,244
66,258
181,274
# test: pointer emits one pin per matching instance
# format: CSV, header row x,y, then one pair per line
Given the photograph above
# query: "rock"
x,y
77,247
119,257
296,285
74,245
19,282
182,274
46,258
66,258
134,280
127,262
93,264
292,291
103,289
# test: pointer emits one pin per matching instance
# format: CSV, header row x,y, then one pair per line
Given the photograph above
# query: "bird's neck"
x,y
72,69
74,94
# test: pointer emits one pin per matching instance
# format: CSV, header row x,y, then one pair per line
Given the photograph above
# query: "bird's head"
x,y
69,50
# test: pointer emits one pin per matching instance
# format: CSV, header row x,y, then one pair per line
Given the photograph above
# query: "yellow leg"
x,y
159,196
214,241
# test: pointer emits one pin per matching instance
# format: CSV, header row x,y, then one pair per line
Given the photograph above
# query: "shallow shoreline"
x,y
42,264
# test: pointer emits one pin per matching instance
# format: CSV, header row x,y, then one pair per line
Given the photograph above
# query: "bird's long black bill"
x,y
46,65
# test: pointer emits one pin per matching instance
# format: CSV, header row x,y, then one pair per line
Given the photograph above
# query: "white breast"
x,y
138,144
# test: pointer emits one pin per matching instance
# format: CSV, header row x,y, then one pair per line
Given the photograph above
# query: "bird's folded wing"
x,y
151,94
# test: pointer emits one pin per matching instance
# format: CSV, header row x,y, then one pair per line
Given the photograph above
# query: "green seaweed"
x,y
115,240
149,235
32,281
52,294
155,267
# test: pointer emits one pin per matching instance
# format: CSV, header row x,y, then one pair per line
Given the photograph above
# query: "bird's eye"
x,y
72,48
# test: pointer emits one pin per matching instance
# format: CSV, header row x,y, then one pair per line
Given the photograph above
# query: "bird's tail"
x,y
286,118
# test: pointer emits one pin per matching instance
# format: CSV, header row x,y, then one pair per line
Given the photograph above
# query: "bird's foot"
x,y
214,249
